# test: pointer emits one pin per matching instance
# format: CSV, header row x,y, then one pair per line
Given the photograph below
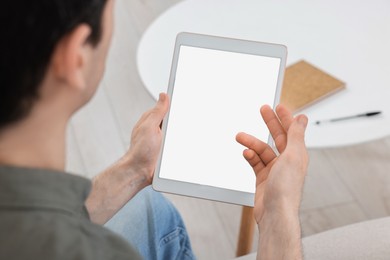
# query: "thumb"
x,y
161,108
296,132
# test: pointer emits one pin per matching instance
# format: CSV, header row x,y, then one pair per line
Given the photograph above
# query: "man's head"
x,y
51,51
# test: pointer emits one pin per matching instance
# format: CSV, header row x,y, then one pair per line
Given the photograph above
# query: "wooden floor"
x,y
344,185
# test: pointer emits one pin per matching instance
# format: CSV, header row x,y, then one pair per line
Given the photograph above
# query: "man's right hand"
x,y
279,182
279,179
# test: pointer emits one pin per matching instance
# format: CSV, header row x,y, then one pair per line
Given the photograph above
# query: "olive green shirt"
x,y
42,216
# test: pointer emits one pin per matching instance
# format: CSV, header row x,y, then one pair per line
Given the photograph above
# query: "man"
x,y
53,57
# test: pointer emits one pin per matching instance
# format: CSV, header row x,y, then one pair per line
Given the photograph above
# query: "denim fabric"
x,y
151,224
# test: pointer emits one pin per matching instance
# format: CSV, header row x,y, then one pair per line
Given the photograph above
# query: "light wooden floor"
x,y
344,185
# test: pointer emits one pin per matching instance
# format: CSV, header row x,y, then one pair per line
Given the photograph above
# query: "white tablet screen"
x,y
216,95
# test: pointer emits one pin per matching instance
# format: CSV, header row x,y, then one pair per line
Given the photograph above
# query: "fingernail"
x,y
303,120
162,97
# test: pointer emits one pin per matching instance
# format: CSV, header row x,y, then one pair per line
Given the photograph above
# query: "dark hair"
x,y
30,31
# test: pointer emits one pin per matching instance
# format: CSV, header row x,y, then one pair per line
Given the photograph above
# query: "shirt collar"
x,y
23,188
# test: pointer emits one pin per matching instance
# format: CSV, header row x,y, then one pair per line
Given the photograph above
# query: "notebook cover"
x,y
305,85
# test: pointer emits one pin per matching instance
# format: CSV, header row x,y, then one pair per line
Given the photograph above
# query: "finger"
x,y
154,111
253,159
285,116
275,127
256,163
158,113
296,133
263,150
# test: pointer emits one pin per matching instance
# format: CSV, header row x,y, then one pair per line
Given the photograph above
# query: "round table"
x,y
348,39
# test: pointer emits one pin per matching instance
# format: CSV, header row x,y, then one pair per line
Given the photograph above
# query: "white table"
x,y
349,39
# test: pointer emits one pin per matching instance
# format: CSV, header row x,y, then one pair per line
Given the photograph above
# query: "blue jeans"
x,y
152,225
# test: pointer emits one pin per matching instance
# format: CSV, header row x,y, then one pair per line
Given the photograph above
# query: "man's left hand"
x,y
146,139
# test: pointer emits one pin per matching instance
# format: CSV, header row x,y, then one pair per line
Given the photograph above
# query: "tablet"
x,y
217,86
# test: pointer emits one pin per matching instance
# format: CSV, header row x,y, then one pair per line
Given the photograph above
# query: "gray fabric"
x,y
42,216
361,241
365,240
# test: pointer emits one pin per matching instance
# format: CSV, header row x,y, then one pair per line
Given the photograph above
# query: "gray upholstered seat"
x,y
360,241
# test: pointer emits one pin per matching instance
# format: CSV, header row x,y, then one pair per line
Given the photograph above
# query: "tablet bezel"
x,y
222,44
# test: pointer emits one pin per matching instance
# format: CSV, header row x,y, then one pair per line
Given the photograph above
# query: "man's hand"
x,y
146,139
279,182
279,179
114,187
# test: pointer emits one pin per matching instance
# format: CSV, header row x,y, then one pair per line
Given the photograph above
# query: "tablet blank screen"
x,y
216,95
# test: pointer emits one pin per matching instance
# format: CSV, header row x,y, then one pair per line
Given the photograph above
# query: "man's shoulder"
x,y
58,236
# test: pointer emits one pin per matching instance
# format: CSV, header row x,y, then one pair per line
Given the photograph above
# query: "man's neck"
x,y
36,142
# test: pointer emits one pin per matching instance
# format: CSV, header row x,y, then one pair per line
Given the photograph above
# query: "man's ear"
x,y
71,56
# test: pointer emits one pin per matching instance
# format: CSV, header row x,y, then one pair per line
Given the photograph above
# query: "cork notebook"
x,y
305,84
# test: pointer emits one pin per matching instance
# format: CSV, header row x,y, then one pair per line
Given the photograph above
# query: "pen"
x,y
368,114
